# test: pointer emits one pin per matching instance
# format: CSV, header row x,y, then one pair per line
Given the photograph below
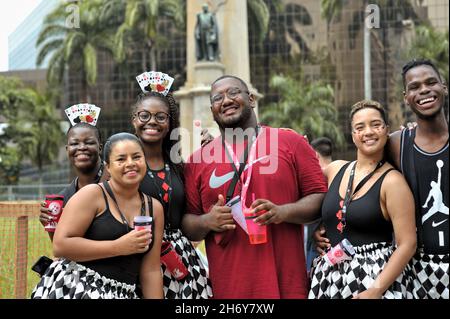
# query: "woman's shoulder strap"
x,y
104,196
150,205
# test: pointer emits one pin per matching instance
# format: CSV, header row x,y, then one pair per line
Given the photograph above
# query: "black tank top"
x,y
365,221
106,227
427,174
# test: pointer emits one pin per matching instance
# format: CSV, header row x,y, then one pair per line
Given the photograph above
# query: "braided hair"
x,y
174,123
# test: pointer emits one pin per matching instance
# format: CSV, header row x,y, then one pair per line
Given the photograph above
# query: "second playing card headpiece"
x,y
155,82
84,112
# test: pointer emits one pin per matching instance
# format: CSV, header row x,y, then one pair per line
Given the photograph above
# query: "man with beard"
x,y
422,156
277,177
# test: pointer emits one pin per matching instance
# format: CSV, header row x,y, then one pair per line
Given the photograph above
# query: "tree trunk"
x,y
151,49
85,88
144,60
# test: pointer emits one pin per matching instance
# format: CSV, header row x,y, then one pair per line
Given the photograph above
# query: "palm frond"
x,y
46,49
259,15
51,31
56,66
90,63
74,41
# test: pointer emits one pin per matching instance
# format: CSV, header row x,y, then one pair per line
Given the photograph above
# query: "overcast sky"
x,y
12,13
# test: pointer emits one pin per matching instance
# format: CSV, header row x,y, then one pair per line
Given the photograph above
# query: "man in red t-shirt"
x,y
281,181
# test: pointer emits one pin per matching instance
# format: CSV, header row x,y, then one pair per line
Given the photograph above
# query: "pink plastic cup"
x,y
340,252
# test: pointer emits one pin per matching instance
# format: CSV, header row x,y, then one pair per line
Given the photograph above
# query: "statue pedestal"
x,y
206,72
193,97
195,105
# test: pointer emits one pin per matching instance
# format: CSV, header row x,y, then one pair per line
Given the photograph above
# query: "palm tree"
x,y
258,18
74,48
305,107
285,25
140,27
329,9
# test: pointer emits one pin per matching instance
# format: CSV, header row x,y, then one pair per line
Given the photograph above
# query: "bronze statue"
x,y
206,36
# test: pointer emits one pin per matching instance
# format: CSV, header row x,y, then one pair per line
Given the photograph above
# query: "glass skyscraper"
x,y
22,51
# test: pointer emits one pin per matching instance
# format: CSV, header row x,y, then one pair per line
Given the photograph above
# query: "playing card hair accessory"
x,y
87,113
155,82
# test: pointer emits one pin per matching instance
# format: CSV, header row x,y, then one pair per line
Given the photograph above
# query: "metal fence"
x,y
28,192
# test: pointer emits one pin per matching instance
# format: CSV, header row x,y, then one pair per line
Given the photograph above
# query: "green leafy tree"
x,y
10,101
32,127
258,18
72,47
431,44
307,108
9,165
285,25
139,29
330,9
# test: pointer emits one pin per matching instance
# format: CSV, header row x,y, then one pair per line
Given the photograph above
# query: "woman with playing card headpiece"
x,y
83,151
156,118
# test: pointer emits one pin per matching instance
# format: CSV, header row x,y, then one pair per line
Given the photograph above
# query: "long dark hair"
x,y
174,123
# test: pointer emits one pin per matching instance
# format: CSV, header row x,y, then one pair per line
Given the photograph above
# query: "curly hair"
x,y
368,104
174,123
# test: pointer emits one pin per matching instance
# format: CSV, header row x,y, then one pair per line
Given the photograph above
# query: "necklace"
x,y
109,190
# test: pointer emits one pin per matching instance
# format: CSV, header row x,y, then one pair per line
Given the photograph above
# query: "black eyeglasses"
x,y
145,116
231,93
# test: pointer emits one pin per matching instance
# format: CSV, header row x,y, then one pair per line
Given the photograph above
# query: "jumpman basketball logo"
x,y
436,194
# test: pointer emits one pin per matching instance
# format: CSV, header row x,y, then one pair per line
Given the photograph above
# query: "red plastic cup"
x,y
172,261
54,202
257,234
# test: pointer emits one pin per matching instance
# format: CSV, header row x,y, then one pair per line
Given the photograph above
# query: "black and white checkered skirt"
x,y
430,276
351,277
196,284
65,279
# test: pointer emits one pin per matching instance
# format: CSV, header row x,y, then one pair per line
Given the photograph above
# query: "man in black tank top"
x,y
423,157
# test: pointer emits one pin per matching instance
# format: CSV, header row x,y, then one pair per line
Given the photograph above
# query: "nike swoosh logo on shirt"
x,y
437,224
217,181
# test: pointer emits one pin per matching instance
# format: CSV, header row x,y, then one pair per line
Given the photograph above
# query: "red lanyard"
x,y
237,164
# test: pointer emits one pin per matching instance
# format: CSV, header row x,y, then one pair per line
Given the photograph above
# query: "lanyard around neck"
x,y
239,167
122,216
349,194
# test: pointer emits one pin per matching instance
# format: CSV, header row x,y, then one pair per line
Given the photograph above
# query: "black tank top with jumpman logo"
x,y
427,174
